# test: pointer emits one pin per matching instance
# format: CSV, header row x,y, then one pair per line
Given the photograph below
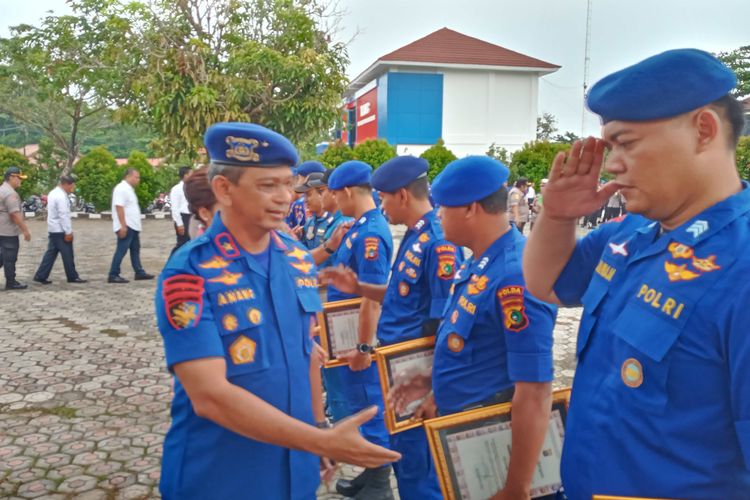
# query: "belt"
x,y
504,396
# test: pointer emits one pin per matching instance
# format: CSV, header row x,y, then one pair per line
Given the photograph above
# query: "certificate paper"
x,y
343,327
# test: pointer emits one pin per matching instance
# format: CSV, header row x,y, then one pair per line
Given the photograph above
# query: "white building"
x,y
469,92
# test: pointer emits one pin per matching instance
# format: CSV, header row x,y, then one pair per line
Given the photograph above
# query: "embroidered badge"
x,y
455,342
307,282
299,260
446,266
417,247
514,311
679,272
697,228
619,248
235,295
348,243
411,272
229,322
401,266
483,262
242,350
632,373
242,149
254,316
454,316
214,262
706,265
371,248
226,278
226,245
680,251
424,238
477,284
403,289
183,300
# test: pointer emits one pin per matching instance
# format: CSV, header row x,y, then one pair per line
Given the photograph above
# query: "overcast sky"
x,y
622,32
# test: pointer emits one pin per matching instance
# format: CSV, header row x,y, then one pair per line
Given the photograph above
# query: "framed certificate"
x,y
609,497
339,328
471,450
399,362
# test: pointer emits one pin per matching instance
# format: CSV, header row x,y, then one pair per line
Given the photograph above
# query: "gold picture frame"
x,y
395,359
610,497
339,328
482,438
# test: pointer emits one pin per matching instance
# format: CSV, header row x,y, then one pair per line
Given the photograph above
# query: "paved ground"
x,y
84,393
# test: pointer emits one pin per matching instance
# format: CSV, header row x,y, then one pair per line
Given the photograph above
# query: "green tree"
x,y
739,61
51,162
148,188
192,63
374,152
12,158
50,75
337,153
165,176
438,156
97,173
498,153
743,157
567,137
534,160
546,125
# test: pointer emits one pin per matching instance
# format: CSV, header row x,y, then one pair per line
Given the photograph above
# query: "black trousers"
x,y
8,255
185,237
57,244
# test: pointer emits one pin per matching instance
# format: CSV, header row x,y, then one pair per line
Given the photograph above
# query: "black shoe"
x,y
77,280
43,282
350,487
144,276
378,485
15,286
117,279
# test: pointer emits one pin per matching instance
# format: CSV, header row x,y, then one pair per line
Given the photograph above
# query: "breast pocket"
x,y
643,339
455,331
242,331
591,300
309,303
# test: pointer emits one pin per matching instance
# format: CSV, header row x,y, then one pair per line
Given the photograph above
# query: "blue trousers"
x,y
131,242
415,472
362,390
336,400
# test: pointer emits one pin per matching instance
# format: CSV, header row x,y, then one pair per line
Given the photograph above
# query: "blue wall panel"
x,y
414,108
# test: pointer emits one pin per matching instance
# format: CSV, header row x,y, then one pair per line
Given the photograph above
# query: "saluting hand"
x,y
345,444
341,277
573,188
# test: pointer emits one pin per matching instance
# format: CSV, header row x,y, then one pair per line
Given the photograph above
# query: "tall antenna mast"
x,y
586,60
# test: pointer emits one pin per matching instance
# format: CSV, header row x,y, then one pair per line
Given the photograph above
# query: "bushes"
x,y
12,158
374,152
534,160
336,154
97,173
438,156
743,157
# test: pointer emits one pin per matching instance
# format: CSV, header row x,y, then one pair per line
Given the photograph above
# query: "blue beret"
x,y
662,86
248,145
399,172
350,173
308,167
468,180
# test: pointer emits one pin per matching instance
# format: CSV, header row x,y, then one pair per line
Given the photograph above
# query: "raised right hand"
x,y
573,189
345,444
341,277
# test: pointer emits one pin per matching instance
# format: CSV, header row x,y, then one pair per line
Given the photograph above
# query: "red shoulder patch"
x,y
183,300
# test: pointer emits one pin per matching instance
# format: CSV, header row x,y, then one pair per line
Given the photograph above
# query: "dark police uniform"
x,y
414,301
661,397
296,217
215,300
315,228
367,248
494,333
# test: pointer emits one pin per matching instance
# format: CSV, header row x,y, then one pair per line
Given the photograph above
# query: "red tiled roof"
x,y
446,46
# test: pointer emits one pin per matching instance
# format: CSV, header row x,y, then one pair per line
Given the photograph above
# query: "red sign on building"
x,y
367,116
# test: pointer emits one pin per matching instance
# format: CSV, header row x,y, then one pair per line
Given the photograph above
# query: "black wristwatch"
x,y
325,424
365,348
328,250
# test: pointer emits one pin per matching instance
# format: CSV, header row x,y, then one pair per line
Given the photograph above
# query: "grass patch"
x,y
112,332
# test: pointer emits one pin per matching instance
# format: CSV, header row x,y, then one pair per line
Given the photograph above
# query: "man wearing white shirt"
x,y
126,222
180,209
60,233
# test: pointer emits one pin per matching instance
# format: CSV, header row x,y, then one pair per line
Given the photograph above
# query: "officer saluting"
x,y
413,301
494,344
661,397
240,349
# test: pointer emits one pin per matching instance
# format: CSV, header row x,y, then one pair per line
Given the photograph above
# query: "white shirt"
x,y
531,193
179,202
124,196
58,212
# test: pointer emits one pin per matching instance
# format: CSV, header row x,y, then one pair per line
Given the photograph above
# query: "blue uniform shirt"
x,y
367,248
493,332
661,397
315,228
215,300
420,282
296,215
332,222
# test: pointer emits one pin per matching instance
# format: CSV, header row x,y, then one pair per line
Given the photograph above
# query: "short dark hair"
x,y
731,111
522,181
419,188
496,202
67,179
183,171
129,171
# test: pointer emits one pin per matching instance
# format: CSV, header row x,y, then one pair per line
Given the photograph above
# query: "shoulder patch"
x,y
183,300
424,238
514,310
371,248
